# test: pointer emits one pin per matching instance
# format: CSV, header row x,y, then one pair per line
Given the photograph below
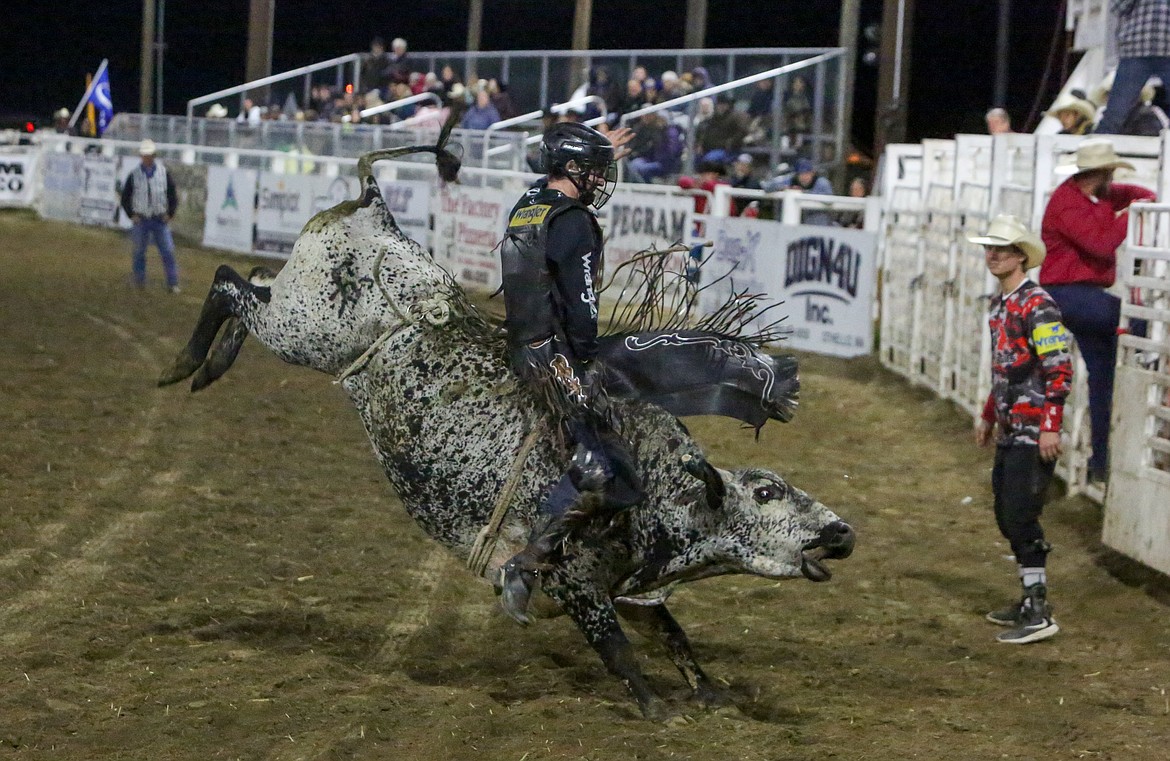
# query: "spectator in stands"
x,y
1084,223
639,74
656,150
650,91
432,83
1075,112
398,66
798,111
1031,372
803,177
482,114
855,219
602,85
711,173
501,99
720,137
250,114
61,121
700,78
374,73
448,78
150,200
998,122
741,173
457,101
635,97
400,91
760,104
672,86
1143,49
417,82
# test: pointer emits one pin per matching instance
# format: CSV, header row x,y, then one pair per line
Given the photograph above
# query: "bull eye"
x,y
768,493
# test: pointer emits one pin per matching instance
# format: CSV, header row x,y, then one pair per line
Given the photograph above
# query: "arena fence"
x,y
255,201
935,290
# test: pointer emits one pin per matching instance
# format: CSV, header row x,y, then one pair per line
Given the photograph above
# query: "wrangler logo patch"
x,y
529,215
1049,337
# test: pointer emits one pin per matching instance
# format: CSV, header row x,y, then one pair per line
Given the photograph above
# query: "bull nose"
x,y
838,538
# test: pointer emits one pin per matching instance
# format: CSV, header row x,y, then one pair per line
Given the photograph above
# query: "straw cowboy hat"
x,y
1070,102
217,111
1094,153
1006,230
146,148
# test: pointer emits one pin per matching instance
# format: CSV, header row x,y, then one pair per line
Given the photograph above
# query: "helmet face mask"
x,y
585,157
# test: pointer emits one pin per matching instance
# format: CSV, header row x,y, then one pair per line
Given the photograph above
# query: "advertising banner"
x,y
61,186
410,203
288,201
17,169
634,221
469,224
99,190
823,275
231,208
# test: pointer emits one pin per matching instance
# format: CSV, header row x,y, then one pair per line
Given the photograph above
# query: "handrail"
x,y
559,108
401,102
624,52
732,85
272,79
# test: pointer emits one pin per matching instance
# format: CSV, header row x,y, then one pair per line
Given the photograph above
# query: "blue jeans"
x,y
142,232
1132,74
1092,316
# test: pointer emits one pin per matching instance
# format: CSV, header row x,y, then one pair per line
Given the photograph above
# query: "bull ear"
x,y
697,466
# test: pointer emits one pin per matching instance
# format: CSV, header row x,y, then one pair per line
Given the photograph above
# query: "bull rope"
x,y
489,535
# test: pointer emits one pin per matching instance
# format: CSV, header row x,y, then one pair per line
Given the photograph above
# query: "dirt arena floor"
x,y
229,575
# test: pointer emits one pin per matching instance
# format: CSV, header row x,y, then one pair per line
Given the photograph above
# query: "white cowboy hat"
x,y
1094,153
1007,230
61,113
146,148
1068,102
217,111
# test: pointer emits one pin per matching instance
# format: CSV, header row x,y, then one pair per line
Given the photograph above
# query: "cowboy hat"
x,y
1007,230
61,113
217,111
1094,153
1070,102
146,148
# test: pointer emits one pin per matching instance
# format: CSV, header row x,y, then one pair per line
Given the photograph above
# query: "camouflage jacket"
x,y
1031,366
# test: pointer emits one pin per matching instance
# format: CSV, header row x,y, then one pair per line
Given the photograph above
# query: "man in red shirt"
x,y
1085,222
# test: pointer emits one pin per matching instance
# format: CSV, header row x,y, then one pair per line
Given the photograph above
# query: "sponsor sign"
x,y
633,222
230,215
17,169
469,224
823,275
410,203
99,190
61,189
287,201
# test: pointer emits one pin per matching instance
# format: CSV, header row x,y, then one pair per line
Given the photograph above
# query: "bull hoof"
x,y
710,698
515,591
182,368
657,710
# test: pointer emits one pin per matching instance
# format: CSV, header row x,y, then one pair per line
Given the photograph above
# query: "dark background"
x,y
49,46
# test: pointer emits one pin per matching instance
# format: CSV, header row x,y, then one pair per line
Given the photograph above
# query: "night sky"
x,y
49,45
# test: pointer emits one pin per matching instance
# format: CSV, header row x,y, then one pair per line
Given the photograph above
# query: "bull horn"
x,y
697,466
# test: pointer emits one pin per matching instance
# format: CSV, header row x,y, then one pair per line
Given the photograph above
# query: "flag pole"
x,y
88,91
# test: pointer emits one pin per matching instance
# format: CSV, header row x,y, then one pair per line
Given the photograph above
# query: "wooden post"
x,y
696,33
582,20
893,73
146,62
474,36
259,61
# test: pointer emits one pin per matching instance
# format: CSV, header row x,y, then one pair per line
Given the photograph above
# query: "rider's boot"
x,y
570,505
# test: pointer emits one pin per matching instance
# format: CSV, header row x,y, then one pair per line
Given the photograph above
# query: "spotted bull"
x,y
470,453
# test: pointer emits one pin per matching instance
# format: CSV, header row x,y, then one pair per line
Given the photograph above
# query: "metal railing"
x,y
307,72
395,104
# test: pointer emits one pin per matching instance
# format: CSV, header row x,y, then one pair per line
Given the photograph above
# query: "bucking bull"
x,y
471,453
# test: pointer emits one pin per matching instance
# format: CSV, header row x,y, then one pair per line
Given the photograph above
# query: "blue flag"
x,y
96,102
99,96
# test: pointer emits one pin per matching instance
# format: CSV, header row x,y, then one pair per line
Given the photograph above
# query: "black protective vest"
x,y
530,296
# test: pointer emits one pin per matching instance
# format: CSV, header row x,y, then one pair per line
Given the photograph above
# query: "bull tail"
x,y
447,162
204,356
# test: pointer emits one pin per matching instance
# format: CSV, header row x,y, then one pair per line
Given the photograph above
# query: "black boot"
x,y
519,575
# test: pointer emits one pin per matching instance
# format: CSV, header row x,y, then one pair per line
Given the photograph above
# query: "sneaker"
x,y
1009,615
1036,621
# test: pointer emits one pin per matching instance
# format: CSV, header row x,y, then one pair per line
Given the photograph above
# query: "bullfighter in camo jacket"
x,y
1031,372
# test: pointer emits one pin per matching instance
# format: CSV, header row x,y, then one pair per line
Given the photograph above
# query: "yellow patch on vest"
x,y
529,215
1049,337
